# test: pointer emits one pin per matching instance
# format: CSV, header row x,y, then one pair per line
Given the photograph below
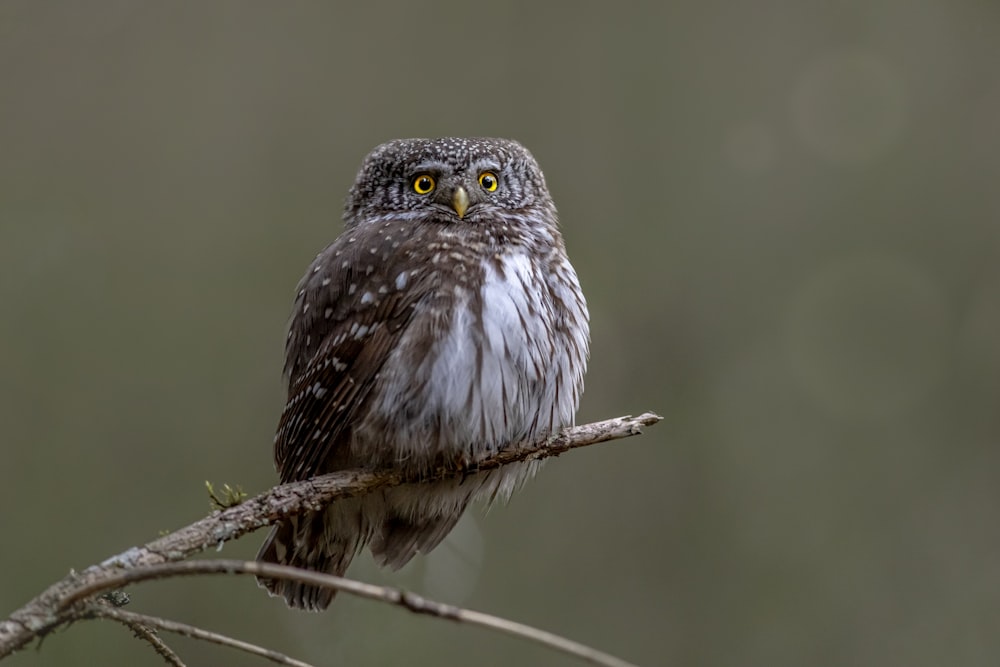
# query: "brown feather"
x,y
332,358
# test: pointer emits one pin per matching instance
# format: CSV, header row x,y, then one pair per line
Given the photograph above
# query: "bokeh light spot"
x,y
849,107
453,568
750,147
866,335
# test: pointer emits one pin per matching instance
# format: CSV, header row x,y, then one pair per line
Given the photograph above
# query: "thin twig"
x,y
143,620
410,601
141,629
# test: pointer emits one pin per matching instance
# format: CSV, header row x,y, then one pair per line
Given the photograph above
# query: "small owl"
x,y
444,324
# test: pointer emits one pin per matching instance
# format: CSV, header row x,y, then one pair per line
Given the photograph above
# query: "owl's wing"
x,y
350,313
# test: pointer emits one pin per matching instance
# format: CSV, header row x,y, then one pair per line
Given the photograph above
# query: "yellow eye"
x,y
488,180
423,184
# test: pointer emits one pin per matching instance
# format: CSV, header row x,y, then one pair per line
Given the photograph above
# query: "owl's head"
x,y
448,180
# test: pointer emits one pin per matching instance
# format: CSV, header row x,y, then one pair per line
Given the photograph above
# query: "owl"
x,y
444,324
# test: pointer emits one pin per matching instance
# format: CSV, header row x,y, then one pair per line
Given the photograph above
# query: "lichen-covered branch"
x,y
49,610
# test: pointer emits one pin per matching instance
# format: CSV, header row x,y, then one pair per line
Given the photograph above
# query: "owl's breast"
x,y
484,363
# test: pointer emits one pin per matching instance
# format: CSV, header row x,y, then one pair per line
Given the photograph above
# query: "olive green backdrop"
x,y
784,215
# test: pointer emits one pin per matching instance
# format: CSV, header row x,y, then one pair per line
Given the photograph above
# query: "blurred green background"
x,y
784,215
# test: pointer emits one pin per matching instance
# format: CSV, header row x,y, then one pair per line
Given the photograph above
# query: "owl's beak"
x,y
460,201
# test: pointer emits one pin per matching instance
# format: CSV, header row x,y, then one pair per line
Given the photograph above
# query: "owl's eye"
x,y
488,180
423,184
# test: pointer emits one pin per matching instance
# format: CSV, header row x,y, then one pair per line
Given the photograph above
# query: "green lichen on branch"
x,y
227,496
116,598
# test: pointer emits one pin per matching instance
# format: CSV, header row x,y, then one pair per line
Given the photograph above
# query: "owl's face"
x,y
450,180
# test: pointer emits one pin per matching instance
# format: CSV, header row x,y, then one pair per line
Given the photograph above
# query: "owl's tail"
x,y
401,538
416,518
314,541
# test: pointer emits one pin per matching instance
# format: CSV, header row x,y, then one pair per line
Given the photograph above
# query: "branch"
x,y
137,623
145,621
410,601
48,611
